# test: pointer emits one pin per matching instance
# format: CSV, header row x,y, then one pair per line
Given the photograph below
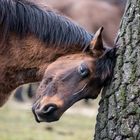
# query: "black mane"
x,y
23,17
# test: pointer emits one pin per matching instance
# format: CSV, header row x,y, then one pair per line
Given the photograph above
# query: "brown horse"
x,y
31,38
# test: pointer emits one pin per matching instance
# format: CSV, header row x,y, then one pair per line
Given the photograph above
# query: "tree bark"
x,y
119,111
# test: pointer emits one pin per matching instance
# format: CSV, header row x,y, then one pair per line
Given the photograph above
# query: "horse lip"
x,y
51,119
35,115
48,118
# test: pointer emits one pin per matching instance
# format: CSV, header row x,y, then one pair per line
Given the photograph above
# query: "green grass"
x,y
19,124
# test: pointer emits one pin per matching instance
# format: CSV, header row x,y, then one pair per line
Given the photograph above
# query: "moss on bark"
x,y
119,113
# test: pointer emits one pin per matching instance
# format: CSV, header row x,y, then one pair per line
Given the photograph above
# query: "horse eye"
x,y
83,70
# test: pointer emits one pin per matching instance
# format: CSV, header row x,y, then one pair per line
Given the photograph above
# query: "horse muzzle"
x,y
48,113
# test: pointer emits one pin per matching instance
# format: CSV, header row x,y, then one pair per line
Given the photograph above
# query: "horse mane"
x,y
23,17
105,66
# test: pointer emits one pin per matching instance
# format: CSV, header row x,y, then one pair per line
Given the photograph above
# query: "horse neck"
x,y
25,60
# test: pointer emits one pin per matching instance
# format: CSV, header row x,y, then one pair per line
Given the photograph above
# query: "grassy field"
x,y
18,124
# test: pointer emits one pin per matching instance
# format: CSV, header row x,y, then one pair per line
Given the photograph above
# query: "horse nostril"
x,y
48,109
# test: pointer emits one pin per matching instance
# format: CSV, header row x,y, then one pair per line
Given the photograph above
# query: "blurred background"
x,y
16,119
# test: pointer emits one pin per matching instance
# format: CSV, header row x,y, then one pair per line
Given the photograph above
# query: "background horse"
x,y
92,14
32,37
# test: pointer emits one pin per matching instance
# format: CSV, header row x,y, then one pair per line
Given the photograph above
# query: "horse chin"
x,y
49,119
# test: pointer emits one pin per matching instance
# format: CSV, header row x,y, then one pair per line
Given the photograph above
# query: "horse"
x,y
39,44
95,13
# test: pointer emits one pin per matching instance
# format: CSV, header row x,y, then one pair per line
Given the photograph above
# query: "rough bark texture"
x,y
119,112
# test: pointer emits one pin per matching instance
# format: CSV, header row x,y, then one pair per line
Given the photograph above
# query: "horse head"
x,y
72,78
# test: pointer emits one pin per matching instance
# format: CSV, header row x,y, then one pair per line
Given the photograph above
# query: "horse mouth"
x,y
47,119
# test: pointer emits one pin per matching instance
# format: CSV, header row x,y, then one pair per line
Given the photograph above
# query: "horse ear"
x,y
97,42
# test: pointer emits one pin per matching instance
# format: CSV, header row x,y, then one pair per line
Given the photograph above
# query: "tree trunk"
x,y
119,112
